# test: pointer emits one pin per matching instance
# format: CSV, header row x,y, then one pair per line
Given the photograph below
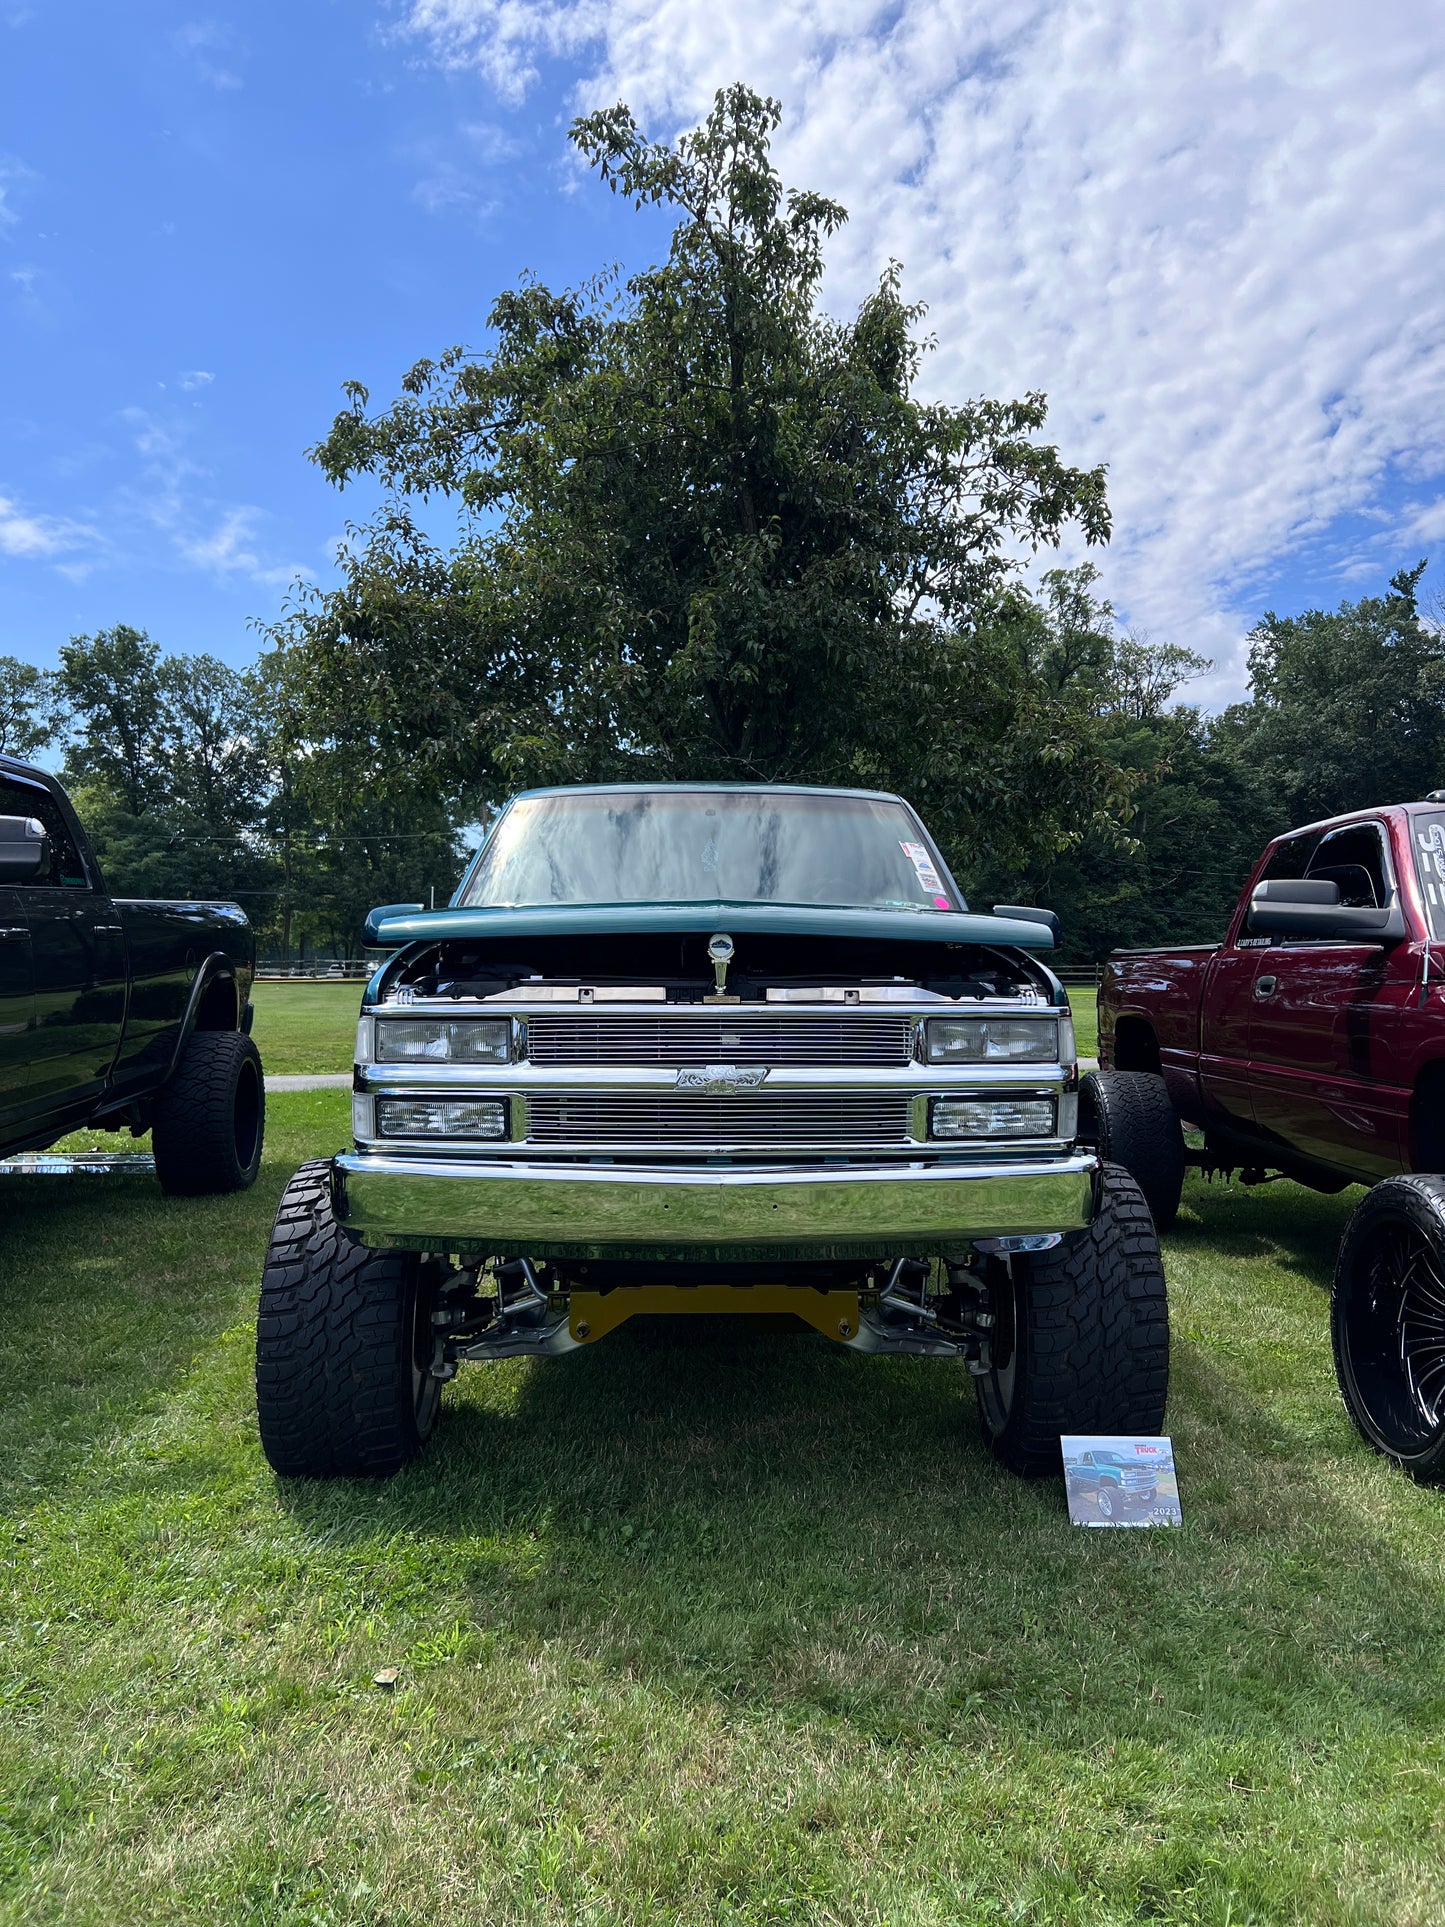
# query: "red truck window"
x,y
1290,861
1355,859
1427,840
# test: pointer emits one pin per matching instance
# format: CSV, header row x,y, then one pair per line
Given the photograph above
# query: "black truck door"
x,y
17,1005
77,948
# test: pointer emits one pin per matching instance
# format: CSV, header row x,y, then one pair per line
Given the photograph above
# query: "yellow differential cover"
x,y
595,1313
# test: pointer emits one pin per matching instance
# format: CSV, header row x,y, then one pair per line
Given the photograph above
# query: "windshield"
x,y
708,846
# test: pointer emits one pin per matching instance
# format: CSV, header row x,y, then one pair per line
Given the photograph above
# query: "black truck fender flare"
x,y
213,968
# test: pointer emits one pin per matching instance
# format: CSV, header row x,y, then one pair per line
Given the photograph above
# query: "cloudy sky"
x,y
1211,231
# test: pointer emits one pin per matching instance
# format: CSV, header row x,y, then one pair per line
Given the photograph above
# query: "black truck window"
x,y
66,871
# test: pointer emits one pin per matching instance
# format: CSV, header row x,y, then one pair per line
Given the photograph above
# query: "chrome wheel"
x,y
1393,1334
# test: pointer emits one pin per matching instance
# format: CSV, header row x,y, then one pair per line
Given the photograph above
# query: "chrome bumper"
x,y
699,1213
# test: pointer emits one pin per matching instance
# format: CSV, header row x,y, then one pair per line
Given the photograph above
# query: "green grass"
x,y
312,1027
308,1027
1086,1021
735,1631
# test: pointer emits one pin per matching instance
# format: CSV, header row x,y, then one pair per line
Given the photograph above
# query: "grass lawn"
x,y
306,1026
746,1631
1084,1004
312,1027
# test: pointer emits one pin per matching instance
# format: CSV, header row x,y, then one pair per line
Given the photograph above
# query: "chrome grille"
x,y
749,1117
716,1038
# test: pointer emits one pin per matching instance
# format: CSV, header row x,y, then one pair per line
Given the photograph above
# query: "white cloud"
x,y
214,51
1212,232
194,378
26,536
13,174
230,548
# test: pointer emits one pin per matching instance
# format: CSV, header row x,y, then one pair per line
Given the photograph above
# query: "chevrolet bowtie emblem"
x,y
722,1080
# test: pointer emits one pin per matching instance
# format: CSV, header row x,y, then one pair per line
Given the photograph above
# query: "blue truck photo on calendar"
x,y
1121,1481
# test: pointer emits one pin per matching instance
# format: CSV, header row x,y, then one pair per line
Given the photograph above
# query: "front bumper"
x,y
705,1214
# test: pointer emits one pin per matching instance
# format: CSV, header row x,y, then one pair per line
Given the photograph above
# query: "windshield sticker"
x,y
927,873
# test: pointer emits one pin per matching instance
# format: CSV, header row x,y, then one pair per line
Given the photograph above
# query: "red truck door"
x,y
1324,1030
1225,1015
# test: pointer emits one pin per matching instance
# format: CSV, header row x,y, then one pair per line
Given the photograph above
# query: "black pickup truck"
x,y
118,1015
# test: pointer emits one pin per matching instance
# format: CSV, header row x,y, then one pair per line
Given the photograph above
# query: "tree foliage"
x,y
709,532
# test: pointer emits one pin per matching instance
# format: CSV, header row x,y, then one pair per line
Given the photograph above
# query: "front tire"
x,y
343,1345
1387,1321
209,1122
1128,1115
1081,1342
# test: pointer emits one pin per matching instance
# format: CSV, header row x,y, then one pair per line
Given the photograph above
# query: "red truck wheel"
x,y
1081,1342
1387,1320
1129,1116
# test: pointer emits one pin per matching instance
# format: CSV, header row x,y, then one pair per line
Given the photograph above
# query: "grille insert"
x,y
709,1038
750,1117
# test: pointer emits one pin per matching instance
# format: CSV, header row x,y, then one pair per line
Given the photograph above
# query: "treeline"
x,y
192,781
1346,710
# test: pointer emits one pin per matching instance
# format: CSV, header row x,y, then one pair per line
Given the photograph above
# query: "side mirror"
x,y
374,918
1310,908
1028,913
24,849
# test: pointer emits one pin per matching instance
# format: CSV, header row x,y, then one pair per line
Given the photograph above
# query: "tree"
x,y
28,718
708,532
111,686
1348,707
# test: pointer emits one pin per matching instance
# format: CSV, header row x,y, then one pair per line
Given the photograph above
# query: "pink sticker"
x,y
940,903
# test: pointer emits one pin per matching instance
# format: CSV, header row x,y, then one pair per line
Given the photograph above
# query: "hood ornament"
x,y
720,949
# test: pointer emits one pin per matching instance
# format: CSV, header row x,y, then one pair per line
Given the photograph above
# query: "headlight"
x,y
439,1040
439,1117
992,1117
998,1040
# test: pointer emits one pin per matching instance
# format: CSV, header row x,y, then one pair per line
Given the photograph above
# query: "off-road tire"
x,y
343,1342
209,1120
1128,1116
1108,1502
1387,1306
1081,1342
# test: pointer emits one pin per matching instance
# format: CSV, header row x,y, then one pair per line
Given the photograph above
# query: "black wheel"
x,y
209,1120
1387,1319
1081,1342
1129,1117
1107,1502
343,1345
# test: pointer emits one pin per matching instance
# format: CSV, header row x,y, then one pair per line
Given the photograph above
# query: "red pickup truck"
x,y
1311,1043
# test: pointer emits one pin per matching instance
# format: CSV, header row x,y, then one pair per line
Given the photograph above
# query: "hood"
x,y
384,931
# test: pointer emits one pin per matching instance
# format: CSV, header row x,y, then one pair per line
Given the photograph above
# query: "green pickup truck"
x,y
709,1050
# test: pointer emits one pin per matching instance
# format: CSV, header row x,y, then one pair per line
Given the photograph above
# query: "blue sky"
x,y
1214,239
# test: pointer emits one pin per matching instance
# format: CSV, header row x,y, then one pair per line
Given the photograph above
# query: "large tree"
x,y
28,720
708,531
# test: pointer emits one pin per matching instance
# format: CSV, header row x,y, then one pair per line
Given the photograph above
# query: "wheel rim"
x,y
1106,1502
247,1117
1005,1351
426,1391
1394,1333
